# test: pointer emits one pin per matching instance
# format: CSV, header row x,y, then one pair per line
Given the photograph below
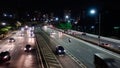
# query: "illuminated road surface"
x,y
66,61
19,58
81,50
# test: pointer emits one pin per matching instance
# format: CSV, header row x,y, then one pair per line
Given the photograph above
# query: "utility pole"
x,y
99,19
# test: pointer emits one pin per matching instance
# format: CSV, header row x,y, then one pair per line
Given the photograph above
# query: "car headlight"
x,y
25,49
59,50
30,48
5,57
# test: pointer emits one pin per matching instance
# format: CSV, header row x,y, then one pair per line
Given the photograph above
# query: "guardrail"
x,y
49,60
39,57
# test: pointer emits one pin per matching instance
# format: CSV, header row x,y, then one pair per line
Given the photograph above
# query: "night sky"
x,y
59,4
110,9
107,7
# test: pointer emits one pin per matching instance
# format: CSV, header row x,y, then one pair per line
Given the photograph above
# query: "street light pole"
x,y
99,22
93,11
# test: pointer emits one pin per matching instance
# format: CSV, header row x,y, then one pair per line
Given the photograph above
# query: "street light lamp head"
x,y
56,18
92,11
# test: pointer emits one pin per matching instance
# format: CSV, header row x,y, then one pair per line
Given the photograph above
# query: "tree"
x,y
65,25
5,29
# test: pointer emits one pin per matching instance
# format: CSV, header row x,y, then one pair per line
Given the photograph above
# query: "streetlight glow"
x,y
56,18
66,16
92,11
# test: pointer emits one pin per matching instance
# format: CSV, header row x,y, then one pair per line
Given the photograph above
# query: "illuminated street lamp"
x,y
93,12
66,16
56,18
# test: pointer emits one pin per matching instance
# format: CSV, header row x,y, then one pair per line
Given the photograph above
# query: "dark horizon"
x,y
59,4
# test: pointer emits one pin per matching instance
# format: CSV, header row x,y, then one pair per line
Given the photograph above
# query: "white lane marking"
x,y
76,60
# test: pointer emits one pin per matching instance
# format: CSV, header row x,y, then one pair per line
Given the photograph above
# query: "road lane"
x,y
94,38
66,61
20,59
84,51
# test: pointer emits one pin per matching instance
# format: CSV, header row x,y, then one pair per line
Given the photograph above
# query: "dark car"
x,y
105,44
11,40
28,48
60,50
5,56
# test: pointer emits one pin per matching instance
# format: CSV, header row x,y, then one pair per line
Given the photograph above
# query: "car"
x,y
106,44
21,34
28,48
11,40
5,56
60,50
31,34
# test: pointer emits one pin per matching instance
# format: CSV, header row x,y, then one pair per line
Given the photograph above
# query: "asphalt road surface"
x,y
19,58
81,50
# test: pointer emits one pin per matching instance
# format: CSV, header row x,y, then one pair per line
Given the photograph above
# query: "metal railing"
x,y
48,58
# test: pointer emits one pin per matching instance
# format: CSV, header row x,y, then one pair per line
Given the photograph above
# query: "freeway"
x,y
81,50
64,61
19,59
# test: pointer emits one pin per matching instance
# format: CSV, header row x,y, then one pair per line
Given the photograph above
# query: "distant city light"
x,y
56,18
116,27
76,22
66,16
51,19
92,27
4,14
10,15
46,21
3,23
68,21
28,15
34,19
